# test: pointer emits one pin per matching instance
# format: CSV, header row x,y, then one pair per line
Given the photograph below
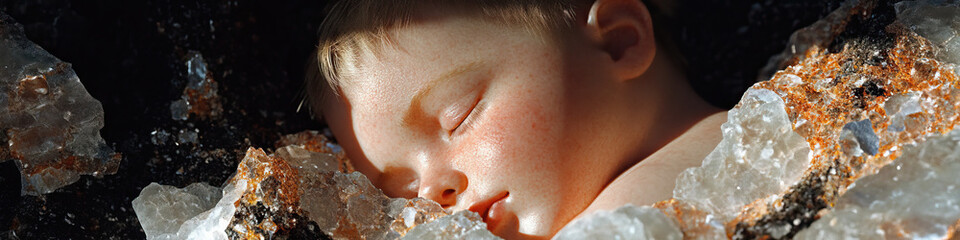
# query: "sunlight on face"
x,y
483,117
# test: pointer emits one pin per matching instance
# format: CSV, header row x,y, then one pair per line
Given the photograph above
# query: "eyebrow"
x,y
415,112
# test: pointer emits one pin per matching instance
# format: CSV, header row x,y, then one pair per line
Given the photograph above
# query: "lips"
x,y
491,209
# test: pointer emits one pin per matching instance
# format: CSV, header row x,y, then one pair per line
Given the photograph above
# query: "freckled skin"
x,y
555,129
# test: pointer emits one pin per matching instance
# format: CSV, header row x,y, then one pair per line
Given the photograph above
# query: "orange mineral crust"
x,y
863,87
308,183
272,190
864,82
305,189
200,97
692,222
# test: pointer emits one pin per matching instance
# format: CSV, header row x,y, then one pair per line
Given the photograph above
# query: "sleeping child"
x,y
531,113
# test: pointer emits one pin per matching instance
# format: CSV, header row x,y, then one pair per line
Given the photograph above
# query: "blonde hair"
x,y
353,28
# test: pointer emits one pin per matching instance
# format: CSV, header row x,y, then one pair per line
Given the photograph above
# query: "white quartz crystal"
x,y
460,225
193,212
212,223
760,156
162,209
915,197
627,222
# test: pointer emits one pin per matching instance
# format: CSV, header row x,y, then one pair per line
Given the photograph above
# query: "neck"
x,y
668,106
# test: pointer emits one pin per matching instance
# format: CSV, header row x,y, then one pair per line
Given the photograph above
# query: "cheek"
x,y
520,133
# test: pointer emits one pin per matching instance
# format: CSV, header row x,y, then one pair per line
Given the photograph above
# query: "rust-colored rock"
x,y
200,96
49,124
305,189
859,87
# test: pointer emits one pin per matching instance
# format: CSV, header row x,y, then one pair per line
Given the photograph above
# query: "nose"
x,y
442,185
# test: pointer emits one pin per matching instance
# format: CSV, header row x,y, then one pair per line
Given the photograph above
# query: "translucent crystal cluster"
x,y
414,212
314,141
200,97
858,105
349,206
49,124
693,223
460,225
303,190
760,156
212,223
162,209
916,197
627,222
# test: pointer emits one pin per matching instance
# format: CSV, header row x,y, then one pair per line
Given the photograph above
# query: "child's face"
x,y
479,116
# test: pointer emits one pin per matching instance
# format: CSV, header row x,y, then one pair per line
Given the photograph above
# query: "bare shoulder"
x,y
652,180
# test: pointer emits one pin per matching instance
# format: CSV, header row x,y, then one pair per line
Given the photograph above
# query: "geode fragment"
x,y
49,124
303,190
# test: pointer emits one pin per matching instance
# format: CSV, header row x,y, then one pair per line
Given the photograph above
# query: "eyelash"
x,y
469,120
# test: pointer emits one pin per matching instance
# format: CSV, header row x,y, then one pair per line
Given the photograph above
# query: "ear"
x,y
624,31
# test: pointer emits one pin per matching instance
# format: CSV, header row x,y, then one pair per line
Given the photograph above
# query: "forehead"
x,y
386,77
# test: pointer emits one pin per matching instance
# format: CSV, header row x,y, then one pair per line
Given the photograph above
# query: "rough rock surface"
x,y
916,197
875,89
49,124
852,92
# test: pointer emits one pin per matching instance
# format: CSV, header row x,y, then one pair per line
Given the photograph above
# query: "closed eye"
x,y
470,119
458,113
